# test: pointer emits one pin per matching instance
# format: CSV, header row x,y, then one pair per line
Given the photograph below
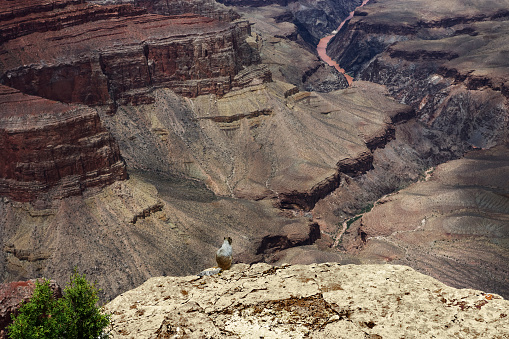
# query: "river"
x,y
322,46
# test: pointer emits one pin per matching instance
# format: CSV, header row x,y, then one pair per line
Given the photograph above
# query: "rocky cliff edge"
x,y
317,301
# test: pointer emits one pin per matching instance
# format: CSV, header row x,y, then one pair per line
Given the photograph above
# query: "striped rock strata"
x,y
104,55
50,149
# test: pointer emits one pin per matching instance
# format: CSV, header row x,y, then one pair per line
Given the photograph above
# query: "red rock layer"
x,y
50,149
256,3
100,55
23,18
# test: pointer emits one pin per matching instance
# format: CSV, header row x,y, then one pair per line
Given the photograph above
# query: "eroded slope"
x,y
452,226
264,141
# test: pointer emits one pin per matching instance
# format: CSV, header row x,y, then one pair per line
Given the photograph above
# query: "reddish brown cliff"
x,y
100,55
53,149
25,17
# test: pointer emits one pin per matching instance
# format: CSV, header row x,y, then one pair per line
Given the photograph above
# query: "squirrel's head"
x,y
229,240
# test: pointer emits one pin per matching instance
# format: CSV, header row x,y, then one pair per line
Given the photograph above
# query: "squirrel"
x,y
224,254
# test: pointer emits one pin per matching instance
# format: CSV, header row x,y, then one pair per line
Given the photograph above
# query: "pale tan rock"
x,y
318,301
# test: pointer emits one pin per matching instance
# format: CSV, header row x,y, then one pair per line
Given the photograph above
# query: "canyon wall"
x,y
256,3
118,53
208,8
447,61
55,150
312,19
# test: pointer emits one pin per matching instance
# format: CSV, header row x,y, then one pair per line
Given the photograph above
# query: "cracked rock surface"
x,y
317,301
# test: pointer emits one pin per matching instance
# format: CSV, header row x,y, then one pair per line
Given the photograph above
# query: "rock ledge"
x,y
317,301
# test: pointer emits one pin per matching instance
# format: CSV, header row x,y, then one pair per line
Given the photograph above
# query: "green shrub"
x,y
75,315
367,208
36,317
352,220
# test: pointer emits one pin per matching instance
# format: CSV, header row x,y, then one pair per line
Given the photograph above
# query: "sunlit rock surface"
x,y
317,301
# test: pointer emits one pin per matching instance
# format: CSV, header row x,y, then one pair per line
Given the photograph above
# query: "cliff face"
x,y
444,60
50,149
256,3
437,32
316,301
285,51
208,8
118,53
26,17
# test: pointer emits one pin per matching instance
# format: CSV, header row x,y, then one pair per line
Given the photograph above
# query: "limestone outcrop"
x,y
316,301
51,150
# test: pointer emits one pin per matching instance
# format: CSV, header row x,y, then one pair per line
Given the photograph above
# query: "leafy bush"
x,y
75,315
352,220
36,317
